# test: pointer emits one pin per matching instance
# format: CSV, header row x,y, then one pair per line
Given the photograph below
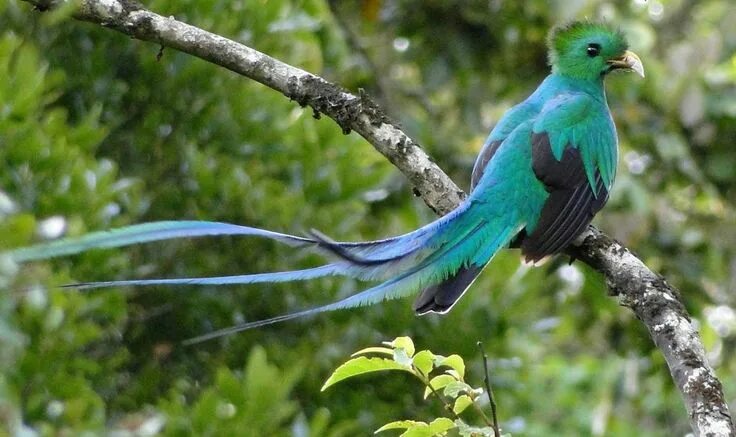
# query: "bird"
x,y
543,173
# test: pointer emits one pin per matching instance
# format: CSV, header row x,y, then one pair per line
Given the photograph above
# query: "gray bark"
x,y
647,294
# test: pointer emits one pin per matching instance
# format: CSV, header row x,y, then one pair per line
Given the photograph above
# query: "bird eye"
x,y
593,49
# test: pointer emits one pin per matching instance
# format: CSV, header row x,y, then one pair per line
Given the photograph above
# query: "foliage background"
x,y
95,133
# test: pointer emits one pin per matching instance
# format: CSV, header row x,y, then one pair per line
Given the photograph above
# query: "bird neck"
x,y
593,87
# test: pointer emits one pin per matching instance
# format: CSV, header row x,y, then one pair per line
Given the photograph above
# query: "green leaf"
x,y
401,358
374,350
419,430
438,383
461,403
454,362
440,425
466,430
400,424
404,343
359,366
423,361
454,389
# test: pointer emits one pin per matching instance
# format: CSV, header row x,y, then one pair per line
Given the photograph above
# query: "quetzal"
x,y
545,170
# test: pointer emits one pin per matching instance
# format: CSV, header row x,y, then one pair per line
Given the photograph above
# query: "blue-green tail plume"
x,y
423,259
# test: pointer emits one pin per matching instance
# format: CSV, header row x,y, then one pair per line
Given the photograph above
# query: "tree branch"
x,y
647,294
659,306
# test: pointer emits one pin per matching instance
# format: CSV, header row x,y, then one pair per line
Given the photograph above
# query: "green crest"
x,y
581,49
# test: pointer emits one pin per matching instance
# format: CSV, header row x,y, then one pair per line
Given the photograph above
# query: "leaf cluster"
x,y
442,376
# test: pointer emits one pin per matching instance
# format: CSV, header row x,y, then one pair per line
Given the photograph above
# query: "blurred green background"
x,y
96,133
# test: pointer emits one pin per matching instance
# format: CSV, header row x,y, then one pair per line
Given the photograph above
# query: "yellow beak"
x,y
629,61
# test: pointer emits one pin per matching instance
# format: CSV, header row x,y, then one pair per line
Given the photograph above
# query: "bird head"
x,y
589,51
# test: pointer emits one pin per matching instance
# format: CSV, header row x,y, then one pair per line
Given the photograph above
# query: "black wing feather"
x,y
571,204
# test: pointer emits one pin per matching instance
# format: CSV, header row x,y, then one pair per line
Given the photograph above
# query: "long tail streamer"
x,y
406,264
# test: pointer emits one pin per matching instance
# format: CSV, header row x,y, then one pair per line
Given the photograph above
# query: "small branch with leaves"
x,y
442,376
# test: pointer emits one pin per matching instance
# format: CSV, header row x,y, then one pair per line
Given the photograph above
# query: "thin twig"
x,y
487,380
